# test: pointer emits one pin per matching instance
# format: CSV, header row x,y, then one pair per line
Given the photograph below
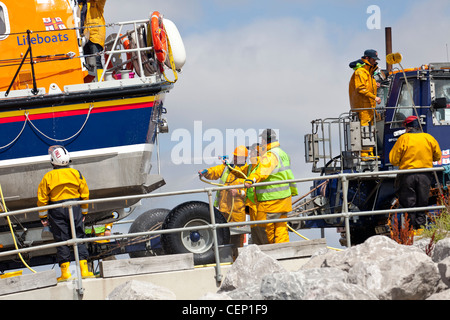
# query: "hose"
x,y
12,232
222,185
305,238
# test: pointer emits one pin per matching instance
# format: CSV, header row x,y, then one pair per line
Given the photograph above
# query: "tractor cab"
x,y
429,97
335,146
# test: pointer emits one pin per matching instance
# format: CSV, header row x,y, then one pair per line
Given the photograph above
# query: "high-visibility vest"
x,y
98,231
95,230
251,191
281,172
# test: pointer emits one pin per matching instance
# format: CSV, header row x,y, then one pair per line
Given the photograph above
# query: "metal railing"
x,y
119,37
344,177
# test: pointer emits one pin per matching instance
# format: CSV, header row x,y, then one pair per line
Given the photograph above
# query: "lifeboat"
x,y
50,95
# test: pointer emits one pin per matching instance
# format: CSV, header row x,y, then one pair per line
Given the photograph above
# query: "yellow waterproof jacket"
x,y
267,163
415,151
62,184
363,87
250,200
226,203
94,17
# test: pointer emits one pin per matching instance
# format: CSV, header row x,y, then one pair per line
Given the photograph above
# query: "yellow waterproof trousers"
x,y
277,232
258,231
366,117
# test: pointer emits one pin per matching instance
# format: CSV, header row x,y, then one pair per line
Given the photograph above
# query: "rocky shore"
x,y
378,269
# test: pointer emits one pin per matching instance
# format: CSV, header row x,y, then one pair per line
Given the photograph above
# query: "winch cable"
x,y
12,232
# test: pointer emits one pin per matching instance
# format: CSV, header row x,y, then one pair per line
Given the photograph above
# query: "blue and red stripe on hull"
x,y
112,123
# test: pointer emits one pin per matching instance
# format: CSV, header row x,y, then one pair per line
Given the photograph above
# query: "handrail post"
x,y
216,242
138,46
80,289
345,209
113,48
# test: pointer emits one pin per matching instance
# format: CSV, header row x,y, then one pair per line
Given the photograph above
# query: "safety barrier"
x,y
344,177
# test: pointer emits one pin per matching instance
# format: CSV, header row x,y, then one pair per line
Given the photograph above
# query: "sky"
x,y
256,64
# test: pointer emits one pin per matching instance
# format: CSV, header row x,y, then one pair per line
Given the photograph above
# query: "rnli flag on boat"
x,y
445,158
53,24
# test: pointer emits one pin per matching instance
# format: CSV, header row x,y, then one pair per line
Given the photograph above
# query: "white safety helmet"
x,y
59,156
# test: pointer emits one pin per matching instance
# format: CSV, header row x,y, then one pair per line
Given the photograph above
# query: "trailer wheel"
x,y
145,222
199,242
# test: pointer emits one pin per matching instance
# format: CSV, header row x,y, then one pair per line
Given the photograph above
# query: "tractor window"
x,y
4,22
382,92
404,107
441,88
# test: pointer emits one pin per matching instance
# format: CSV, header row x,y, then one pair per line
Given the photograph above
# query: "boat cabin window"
x,y
4,22
404,107
440,88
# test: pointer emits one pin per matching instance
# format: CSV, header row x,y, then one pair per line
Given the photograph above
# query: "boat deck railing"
x,y
110,52
213,226
117,39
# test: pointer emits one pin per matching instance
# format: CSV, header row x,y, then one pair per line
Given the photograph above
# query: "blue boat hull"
x,y
110,141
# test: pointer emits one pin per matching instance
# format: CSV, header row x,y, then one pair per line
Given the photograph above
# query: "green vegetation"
x,y
439,228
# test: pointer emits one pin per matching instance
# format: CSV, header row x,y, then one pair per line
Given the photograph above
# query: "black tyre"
x,y
200,243
146,222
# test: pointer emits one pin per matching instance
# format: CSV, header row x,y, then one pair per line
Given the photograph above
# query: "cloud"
x,y
265,72
181,11
425,40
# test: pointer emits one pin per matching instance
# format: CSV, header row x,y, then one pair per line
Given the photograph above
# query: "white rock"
x,y
249,268
444,270
140,290
405,276
313,284
443,295
441,250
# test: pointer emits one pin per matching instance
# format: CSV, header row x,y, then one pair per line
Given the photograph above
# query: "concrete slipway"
x,y
174,272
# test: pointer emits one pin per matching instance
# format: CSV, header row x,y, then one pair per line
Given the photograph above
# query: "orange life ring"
x,y
159,36
126,45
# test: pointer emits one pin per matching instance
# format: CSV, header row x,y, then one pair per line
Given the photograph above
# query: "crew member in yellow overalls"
x,y
363,92
231,202
258,231
60,185
414,150
273,201
93,23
